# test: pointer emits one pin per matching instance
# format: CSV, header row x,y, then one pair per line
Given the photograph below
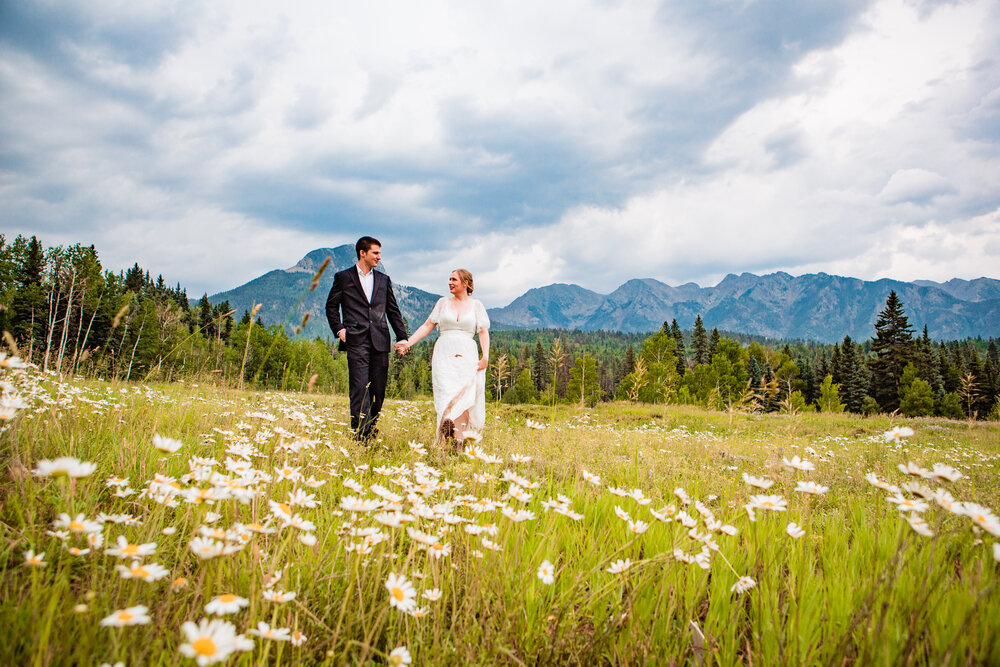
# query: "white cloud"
x,y
871,154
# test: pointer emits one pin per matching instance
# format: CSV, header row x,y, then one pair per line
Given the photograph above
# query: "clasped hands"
x,y
402,348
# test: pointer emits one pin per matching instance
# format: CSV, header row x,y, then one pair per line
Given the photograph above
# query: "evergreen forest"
x,y
61,310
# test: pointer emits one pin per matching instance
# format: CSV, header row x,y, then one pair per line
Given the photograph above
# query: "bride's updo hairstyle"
x,y
466,278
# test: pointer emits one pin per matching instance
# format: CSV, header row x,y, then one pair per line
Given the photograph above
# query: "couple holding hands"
x,y
360,302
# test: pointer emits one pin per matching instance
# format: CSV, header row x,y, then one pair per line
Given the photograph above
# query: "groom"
x,y
366,299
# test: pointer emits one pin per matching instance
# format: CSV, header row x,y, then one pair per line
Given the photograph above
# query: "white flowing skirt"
x,y
458,385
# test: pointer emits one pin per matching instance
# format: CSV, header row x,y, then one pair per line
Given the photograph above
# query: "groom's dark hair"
x,y
364,244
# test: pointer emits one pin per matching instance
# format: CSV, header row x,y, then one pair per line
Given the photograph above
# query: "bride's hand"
x,y
483,363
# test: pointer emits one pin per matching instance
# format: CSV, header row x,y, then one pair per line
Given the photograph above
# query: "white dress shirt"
x,y
367,282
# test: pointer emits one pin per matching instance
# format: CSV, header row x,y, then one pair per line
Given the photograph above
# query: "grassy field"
x,y
617,535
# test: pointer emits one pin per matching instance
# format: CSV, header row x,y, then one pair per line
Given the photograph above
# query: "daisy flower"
x,y
743,585
638,527
265,631
532,424
619,566
439,550
897,433
983,517
211,641
546,572
794,530
919,525
80,524
399,656
226,603
298,639
128,616
126,549
402,595
206,548
945,472
775,503
272,595
591,478
64,465
433,594
622,514
31,559
811,487
150,572
913,469
905,504
166,445
798,464
759,482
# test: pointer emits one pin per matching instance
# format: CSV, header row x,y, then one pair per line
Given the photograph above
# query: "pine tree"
x,y
893,349
135,280
700,342
713,342
675,331
853,376
540,371
926,362
629,361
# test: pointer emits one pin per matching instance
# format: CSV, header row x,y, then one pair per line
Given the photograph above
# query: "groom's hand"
x,y
342,335
400,349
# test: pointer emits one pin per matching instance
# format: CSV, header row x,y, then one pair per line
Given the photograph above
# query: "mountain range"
x,y
815,306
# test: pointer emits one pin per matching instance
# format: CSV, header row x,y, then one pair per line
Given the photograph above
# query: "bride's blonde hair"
x,y
465,277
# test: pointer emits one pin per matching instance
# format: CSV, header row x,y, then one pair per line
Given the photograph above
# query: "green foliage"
x,y
655,378
916,399
523,390
583,383
829,396
893,349
951,406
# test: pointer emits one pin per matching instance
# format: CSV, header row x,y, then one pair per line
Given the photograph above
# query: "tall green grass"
x,y
860,587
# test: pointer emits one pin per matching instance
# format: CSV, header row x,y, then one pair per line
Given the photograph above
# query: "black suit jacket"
x,y
365,322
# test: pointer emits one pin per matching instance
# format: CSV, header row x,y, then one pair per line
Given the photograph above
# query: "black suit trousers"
x,y
368,374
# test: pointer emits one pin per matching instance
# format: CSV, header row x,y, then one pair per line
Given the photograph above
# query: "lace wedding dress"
x,y
459,389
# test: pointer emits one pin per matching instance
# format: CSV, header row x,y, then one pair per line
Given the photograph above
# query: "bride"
x,y
458,374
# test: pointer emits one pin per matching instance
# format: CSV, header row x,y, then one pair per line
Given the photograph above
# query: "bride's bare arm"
x,y
420,334
484,341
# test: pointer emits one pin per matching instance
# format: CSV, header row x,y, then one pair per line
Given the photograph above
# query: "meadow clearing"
x,y
201,524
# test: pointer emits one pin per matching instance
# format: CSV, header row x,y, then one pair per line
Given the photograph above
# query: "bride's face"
x,y
456,285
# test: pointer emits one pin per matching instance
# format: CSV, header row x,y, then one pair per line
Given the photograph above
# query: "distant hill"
x,y
814,306
279,290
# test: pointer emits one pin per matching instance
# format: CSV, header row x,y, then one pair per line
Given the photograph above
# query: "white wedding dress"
x,y
459,387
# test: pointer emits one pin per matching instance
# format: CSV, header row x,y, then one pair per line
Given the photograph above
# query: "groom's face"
x,y
372,257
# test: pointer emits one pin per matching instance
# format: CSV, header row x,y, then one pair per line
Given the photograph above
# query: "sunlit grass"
x,y
859,585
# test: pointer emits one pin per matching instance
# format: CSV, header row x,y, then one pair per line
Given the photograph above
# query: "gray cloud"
x,y
719,136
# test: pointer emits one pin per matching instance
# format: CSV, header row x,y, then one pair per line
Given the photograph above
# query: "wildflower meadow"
x,y
189,523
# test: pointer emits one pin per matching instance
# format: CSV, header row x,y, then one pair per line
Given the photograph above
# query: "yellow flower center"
x,y
76,526
285,508
130,549
397,593
981,519
227,598
140,572
125,616
204,646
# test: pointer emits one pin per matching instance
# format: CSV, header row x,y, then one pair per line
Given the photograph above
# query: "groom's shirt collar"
x,y
367,282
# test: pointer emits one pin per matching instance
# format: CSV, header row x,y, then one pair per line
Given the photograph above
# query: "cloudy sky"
x,y
530,142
